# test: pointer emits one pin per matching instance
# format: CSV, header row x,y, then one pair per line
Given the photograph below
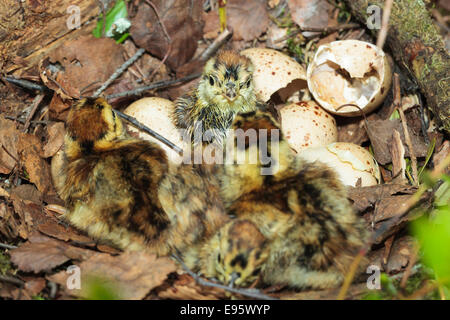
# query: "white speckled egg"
x,y
275,71
305,124
349,160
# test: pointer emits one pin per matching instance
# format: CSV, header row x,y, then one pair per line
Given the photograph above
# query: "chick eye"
x,y
219,258
211,80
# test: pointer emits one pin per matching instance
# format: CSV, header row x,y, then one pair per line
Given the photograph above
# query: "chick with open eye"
x,y
305,233
225,89
123,191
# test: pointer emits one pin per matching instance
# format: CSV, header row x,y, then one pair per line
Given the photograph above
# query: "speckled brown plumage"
x,y
307,233
123,190
225,89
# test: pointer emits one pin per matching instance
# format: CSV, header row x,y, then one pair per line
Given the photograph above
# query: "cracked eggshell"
x,y
305,124
275,71
154,112
349,160
349,71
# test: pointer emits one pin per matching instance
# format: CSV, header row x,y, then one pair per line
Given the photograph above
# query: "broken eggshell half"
x,y
349,72
154,112
275,72
305,124
350,161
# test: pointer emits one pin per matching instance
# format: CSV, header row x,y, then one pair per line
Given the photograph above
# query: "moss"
x,y
5,264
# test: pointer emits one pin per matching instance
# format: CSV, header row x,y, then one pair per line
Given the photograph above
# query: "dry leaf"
x,y
248,19
81,63
183,22
310,13
9,137
398,158
380,134
28,193
45,255
55,141
133,273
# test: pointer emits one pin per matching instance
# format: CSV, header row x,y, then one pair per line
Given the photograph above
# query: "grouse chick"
x,y
225,89
305,233
123,190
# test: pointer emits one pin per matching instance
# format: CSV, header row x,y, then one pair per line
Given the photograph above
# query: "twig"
x,y
404,208
397,103
384,24
216,44
323,30
37,100
7,246
155,85
169,40
26,84
252,293
23,120
118,72
12,280
149,131
412,262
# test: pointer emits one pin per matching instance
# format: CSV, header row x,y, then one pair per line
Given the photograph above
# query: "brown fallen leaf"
x,y
183,22
365,197
59,108
37,168
380,135
82,63
9,138
310,13
34,285
399,257
398,158
211,28
441,154
248,19
28,193
45,254
55,230
134,274
55,141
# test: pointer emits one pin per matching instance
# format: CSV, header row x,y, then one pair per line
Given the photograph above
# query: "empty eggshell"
x,y
349,72
349,160
275,71
305,124
155,113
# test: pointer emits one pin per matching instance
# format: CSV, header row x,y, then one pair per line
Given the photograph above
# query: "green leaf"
x,y
429,154
117,13
394,115
434,238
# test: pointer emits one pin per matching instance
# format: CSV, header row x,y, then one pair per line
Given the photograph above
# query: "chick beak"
x,y
230,91
234,276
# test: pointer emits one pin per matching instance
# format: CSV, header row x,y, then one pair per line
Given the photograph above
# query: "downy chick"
x,y
123,191
225,89
305,233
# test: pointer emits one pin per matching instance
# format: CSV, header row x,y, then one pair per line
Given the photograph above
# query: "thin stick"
x,y
323,30
149,131
155,85
216,44
119,71
37,100
404,208
397,102
7,246
169,40
245,292
26,84
384,24
12,280
23,120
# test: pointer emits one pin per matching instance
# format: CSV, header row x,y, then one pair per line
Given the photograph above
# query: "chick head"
x,y
227,82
